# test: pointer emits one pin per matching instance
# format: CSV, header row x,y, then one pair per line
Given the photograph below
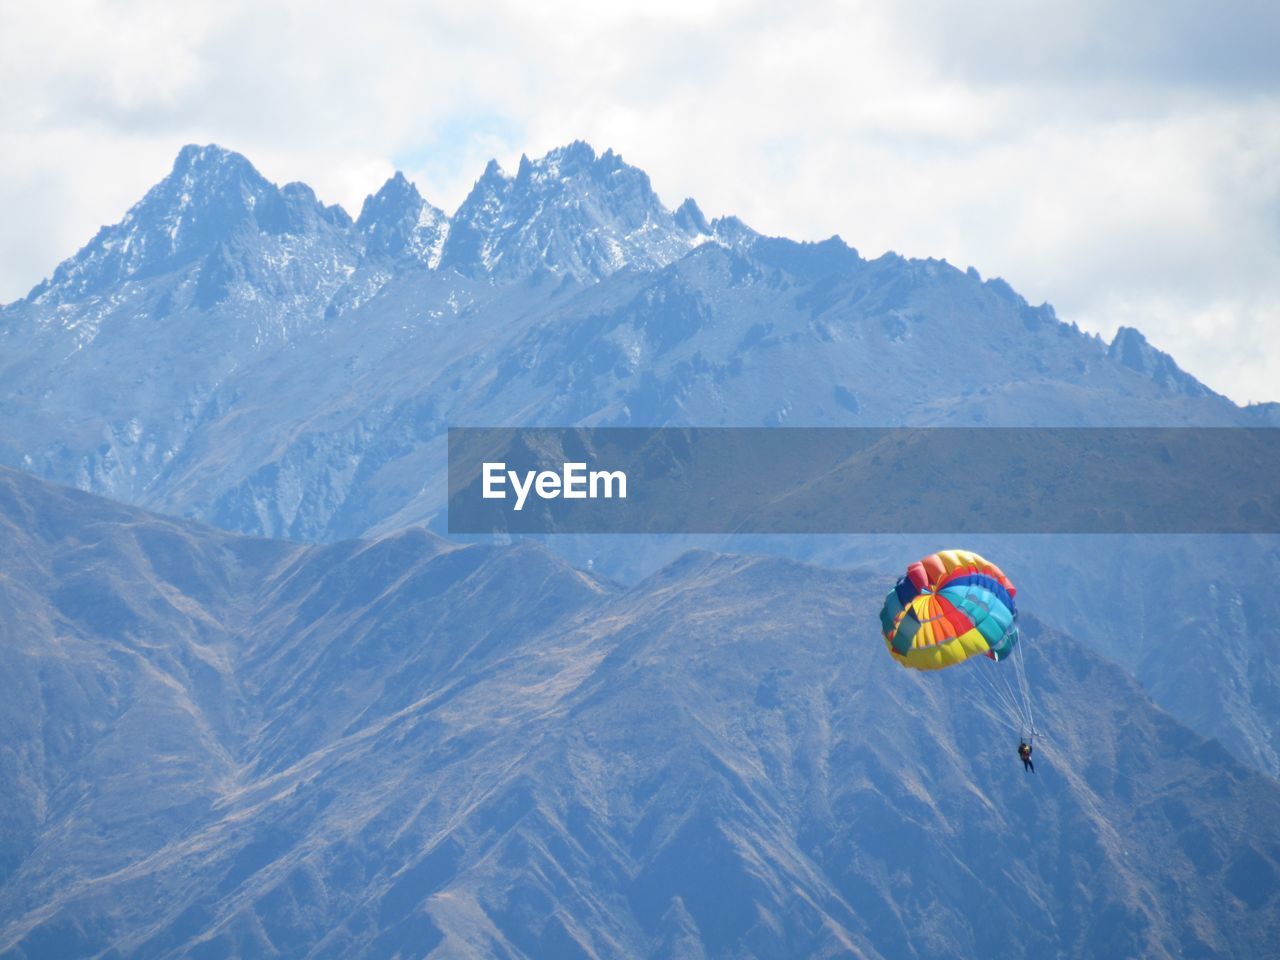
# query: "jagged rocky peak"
x,y
1266,413
1131,349
395,199
575,159
211,196
397,222
690,218
731,231
571,212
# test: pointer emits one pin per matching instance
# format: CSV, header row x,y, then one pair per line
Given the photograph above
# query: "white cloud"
x,y
1120,163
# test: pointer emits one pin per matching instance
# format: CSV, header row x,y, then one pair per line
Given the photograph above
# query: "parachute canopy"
x,y
951,606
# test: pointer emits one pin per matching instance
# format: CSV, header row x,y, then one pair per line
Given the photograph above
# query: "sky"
x,y
1120,161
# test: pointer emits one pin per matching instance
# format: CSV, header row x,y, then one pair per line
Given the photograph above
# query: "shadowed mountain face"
x,y
224,747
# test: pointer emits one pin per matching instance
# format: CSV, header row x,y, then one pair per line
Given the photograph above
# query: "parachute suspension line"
x,y
1015,693
1001,686
1024,685
996,691
1010,681
1006,693
995,694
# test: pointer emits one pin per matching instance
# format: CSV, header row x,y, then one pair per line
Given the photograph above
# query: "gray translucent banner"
x,y
864,480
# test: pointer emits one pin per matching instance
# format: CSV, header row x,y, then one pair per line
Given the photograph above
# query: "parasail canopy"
x,y
951,606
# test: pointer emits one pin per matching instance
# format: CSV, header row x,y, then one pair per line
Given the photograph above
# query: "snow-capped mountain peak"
x,y
397,222
571,212
211,196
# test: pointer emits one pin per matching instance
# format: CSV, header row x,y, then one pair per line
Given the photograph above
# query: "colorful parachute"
x,y
951,606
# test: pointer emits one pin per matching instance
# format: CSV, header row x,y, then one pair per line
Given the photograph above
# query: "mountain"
x,y
241,354
233,747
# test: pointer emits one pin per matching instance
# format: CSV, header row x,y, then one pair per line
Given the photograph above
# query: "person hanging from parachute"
x,y
953,606
1024,754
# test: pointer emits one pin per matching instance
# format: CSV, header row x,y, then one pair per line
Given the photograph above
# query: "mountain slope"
x,y
408,748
